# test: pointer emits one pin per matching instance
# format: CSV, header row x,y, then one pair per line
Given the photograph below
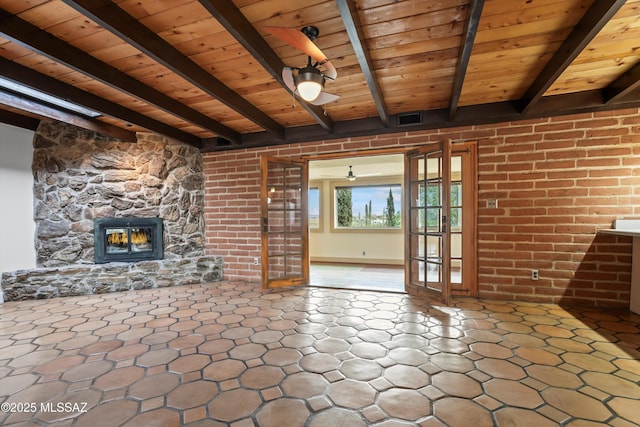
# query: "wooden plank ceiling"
x,y
208,73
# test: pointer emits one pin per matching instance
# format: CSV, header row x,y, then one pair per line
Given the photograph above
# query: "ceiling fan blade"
x,y
298,40
330,70
324,98
287,76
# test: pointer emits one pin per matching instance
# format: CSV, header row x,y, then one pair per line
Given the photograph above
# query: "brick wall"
x,y
557,181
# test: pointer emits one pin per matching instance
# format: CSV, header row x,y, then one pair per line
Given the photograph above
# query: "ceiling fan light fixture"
x,y
309,83
350,175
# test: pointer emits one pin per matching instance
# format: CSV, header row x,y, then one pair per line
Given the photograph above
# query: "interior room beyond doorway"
x,y
365,251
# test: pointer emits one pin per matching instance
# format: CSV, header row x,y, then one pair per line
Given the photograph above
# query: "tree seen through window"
x,y
368,206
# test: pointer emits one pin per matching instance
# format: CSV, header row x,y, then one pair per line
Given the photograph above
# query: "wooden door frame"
x,y
469,222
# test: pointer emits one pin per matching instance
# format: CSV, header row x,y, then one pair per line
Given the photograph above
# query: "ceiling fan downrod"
x,y
311,32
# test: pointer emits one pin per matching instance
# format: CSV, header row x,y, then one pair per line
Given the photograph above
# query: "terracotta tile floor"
x,y
230,354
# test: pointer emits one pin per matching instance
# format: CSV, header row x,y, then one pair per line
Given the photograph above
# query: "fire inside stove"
x,y
127,239
118,240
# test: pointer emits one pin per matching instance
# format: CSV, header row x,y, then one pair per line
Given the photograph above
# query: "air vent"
x,y
408,119
221,142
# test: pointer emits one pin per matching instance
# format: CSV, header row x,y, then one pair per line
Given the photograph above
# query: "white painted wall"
x,y
17,227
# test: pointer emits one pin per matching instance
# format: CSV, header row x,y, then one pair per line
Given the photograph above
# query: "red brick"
x,y
514,129
555,183
534,229
567,192
526,157
554,127
497,159
599,122
555,202
529,212
495,177
476,134
518,185
548,219
573,117
617,172
600,162
549,146
597,182
515,147
565,154
601,141
607,132
521,139
557,164
513,202
570,134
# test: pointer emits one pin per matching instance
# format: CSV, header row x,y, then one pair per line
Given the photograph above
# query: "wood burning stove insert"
x,y
127,239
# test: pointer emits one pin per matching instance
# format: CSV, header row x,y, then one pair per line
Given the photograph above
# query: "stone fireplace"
x,y
82,178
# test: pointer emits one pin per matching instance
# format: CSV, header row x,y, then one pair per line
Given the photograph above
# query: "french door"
x,y
284,222
427,213
440,208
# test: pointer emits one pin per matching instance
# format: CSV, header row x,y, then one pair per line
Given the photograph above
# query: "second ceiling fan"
x,y
309,80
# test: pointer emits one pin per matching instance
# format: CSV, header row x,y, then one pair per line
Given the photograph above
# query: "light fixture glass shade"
x,y
309,91
309,83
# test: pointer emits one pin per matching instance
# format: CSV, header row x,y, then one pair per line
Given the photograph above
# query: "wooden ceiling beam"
x,y
232,19
623,85
470,31
353,26
42,110
37,40
111,17
43,83
596,17
19,120
499,112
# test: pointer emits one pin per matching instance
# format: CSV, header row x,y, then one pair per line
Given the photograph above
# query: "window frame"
x,y
366,182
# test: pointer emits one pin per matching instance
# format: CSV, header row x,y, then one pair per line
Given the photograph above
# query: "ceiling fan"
x,y
351,176
309,80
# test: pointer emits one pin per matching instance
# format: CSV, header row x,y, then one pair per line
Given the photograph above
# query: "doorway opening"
x,y
356,238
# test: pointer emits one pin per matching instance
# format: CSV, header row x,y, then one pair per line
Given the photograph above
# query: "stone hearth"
x,y
85,279
81,175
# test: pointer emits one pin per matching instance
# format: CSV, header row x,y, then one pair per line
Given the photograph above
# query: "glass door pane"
x,y
284,223
427,183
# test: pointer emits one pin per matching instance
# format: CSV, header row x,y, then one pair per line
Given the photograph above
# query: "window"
x,y
315,208
375,206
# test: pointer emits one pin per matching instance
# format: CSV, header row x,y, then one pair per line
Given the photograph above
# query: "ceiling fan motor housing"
x,y
309,74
